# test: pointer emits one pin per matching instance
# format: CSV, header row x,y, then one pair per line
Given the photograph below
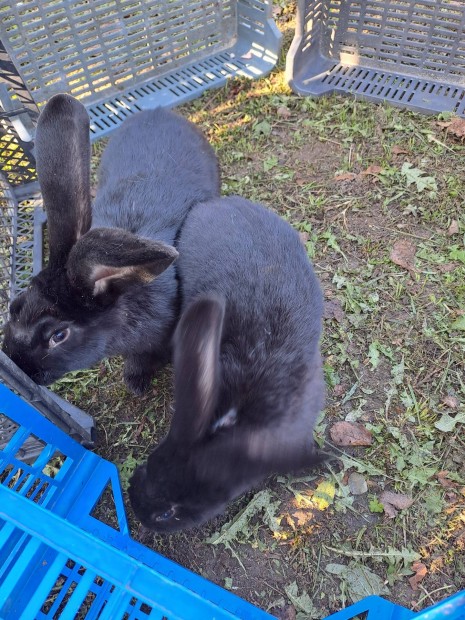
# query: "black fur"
x,y
248,373
99,286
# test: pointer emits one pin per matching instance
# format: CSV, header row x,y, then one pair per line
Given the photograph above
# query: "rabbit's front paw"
x,y
139,371
138,384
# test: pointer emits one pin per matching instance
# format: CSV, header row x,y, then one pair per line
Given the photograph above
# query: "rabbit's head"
x,y
208,457
65,318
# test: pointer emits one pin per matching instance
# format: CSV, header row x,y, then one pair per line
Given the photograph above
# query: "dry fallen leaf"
x,y
398,150
403,254
333,310
420,573
346,176
339,389
372,170
453,228
399,500
389,510
357,484
456,127
302,517
451,401
393,502
300,179
447,267
350,434
444,480
287,613
283,112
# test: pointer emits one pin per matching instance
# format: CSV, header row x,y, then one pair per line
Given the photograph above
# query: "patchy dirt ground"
x,y
378,195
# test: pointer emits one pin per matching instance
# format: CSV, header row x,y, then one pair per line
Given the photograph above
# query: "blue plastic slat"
x,y
42,587
102,594
452,608
70,575
6,530
376,608
84,477
105,474
77,597
117,600
84,484
21,562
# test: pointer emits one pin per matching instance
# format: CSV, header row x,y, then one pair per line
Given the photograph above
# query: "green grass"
x,y
393,345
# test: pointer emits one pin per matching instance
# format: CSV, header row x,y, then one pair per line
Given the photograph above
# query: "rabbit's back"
x,y
255,260
156,165
248,254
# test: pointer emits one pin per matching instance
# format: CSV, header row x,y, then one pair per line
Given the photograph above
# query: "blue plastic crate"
x,y
376,608
59,561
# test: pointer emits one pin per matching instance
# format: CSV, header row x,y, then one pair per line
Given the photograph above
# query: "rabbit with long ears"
x,y
248,372
110,287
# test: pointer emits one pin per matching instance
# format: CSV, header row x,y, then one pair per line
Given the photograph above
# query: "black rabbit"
x,y
98,296
248,372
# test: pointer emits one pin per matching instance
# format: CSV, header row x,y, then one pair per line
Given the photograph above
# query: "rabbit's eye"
x,y
58,337
166,515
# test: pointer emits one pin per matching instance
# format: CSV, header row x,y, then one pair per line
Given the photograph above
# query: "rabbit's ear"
x,y
197,368
63,168
105,262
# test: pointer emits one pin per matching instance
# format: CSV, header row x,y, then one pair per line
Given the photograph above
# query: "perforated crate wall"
x,y
119,56
8,218
16,160
408,52
20,242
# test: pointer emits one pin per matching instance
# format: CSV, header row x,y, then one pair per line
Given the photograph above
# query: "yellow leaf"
x,y
324,495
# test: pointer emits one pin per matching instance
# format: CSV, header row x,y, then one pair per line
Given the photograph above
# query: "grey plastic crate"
x,y
120,56
117,57
410,53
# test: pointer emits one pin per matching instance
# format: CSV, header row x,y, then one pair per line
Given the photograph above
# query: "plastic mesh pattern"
x,y
94,49
17,245
181,85
411,53
16,161
380,34
18,241
8,219
25,240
